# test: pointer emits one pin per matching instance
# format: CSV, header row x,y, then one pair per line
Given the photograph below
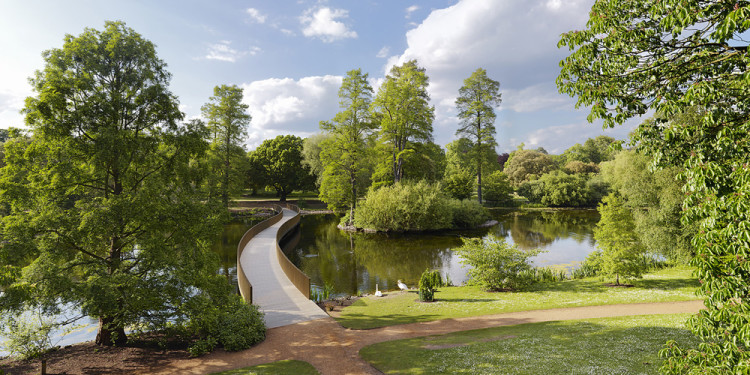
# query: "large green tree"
x,y
343,154
403,111
281,161
228,121
670,56
476,103
621,250
103,212
526,165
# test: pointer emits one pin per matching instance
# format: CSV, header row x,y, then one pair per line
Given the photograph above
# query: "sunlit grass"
x,y
623,345
673,284
275,368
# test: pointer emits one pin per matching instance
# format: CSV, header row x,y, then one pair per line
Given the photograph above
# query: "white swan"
x,y
402,286
377,292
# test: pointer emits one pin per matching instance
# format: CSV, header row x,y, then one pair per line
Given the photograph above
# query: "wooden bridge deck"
x,y
276,296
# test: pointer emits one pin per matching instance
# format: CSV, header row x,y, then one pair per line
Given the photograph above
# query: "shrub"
x,y
495,265
459,185
497,188
428,284
404,207
468,213
27,334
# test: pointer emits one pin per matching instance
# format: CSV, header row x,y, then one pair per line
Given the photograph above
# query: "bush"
x,y
495,265
404,207
27,333
497,188
467,213
459,185
428,284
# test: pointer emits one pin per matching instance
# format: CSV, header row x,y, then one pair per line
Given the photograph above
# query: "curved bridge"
x,y
267,278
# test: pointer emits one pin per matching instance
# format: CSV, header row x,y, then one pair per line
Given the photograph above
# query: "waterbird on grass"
x,y
402,286
377,292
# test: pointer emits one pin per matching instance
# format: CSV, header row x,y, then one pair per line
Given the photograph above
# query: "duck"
x,y
377,292
402,286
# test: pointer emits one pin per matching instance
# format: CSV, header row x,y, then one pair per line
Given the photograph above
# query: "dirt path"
x,y
333,349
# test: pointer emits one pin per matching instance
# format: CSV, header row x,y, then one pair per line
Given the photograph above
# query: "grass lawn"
x,y
671,284
623,345
280,367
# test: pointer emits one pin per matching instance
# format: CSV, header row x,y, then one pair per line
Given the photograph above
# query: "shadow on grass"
x,y
601,286
557,347
362,321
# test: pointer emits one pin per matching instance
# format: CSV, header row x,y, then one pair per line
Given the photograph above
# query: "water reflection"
x,y
353,262
226,246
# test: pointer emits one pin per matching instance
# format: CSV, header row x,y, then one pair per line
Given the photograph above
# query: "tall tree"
x,y
616,238
476,103
670,56
228,121
281,159
405,115
103,213
343,153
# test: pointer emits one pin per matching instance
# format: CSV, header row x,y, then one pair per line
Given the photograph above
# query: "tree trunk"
x,y
109,335
282,193
479,183
353,204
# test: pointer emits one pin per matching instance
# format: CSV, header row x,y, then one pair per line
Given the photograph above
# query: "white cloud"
x,y
284,105
383,53
223,52
543,96
256,15
556,139
515,41
411,10
322,23
11,103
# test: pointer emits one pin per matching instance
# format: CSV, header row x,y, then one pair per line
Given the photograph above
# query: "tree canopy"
x,y
671,56
103,213
476,103
281,160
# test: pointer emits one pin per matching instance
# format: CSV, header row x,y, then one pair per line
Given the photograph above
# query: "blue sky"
x,y
289,56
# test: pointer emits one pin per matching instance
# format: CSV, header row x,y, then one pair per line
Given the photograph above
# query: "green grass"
x,y
281,367
623,345
672,284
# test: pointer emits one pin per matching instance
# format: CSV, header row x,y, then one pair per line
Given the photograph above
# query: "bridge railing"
x,y
294,274
297,277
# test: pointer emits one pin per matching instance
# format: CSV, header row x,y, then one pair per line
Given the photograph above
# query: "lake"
x,y
356,262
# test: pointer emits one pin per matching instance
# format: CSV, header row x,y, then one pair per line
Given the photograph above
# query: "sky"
x,y
290,56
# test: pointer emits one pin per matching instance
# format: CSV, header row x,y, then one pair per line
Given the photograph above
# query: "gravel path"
x,y
333,349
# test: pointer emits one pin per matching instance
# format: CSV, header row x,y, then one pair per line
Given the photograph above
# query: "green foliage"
x,y
429,283
343,153
459,185
402,108
593,151
558,189
103,210
281,160
497,188
670,57
476,101
418,206
622,251
27,334
655,202
227,123
311,149
467,213
527,165
495,265
224,320
428,162
404,207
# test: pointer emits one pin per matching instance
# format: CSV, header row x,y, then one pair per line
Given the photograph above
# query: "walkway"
x,y
333,349
276,296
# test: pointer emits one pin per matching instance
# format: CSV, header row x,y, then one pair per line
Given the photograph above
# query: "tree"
x,y
343,154
622,251
476,101
311,148
103,212
670,57
525,165
495,265
228,121
281,159
459,185
459,157
498,188
402,108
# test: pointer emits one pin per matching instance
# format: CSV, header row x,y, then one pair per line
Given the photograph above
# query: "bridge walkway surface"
x,y
282,303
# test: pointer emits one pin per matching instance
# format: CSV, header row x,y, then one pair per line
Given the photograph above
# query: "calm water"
x,y
352,262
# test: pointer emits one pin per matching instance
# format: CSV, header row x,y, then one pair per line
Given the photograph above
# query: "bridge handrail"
x,y
297,277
